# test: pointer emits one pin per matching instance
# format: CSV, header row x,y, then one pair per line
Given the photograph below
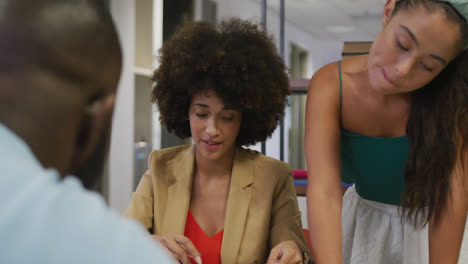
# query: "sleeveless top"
x,y
374,164
209,247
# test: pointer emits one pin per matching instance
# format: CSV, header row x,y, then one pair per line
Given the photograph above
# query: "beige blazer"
x,y
261,210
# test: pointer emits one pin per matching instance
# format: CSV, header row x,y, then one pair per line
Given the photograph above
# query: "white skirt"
x,y
373,233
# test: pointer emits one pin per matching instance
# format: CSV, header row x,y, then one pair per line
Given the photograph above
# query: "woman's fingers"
x,y
189,248
287,257
286,252
173,246
180,247
274,254
161,243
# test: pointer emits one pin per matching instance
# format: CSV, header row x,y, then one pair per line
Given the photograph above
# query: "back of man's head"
x,y
59,68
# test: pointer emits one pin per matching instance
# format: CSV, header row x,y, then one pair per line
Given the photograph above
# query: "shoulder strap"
x,y
341,84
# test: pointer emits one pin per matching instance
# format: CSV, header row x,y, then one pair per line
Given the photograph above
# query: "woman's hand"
x,y
286,252
180,247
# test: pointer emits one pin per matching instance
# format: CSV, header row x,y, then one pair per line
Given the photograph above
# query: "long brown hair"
x,y
437,131
437,127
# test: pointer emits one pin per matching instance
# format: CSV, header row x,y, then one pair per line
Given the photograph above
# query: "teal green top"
x,y
374,164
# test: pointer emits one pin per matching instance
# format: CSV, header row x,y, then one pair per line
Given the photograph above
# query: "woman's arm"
x,y
285,235
446,237
141,209
141,206
322,150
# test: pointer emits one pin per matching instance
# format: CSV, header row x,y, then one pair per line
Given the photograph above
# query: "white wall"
x,y
158,7
121,149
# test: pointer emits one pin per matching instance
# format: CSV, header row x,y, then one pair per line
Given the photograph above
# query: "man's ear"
x,y
97,118
388,11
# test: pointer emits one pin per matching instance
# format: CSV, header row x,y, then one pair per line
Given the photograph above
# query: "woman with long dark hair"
x,y
395,123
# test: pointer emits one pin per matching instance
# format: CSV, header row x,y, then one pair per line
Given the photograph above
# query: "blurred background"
x,y
315,32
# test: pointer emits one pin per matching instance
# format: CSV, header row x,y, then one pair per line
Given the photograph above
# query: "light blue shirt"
x,y
47,220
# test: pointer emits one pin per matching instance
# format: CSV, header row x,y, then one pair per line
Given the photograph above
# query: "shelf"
x,y
143,72
299,86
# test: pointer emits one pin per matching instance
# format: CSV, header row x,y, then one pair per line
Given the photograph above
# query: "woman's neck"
x,y
214,168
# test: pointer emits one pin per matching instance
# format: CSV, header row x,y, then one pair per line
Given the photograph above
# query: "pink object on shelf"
x,y
302,174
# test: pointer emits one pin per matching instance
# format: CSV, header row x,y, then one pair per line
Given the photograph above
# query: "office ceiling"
x,y
346,20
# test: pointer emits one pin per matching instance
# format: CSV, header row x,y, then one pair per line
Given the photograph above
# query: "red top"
x,y
209,247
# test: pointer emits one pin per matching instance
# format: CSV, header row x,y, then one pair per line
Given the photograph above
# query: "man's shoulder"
x,y
76,224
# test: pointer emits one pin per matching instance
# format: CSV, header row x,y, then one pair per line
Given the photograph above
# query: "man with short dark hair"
x,y
60,62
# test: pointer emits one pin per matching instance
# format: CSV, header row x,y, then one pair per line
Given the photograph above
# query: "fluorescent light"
x,y
341,29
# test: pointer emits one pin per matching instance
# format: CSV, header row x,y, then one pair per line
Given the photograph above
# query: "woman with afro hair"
x,y
214,201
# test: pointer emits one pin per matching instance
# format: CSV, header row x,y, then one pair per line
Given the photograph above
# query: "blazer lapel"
x,y
178,193
238,205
